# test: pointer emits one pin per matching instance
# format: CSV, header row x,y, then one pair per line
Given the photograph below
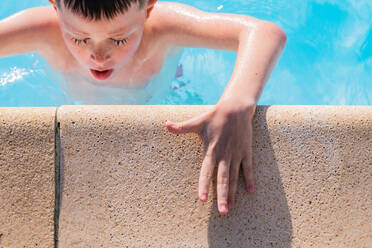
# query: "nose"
x,y
100,57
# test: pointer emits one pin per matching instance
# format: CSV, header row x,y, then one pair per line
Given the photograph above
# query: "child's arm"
x,y
258,43
25,31
227,129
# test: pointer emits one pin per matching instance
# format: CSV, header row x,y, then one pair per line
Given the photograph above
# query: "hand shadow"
x,y
262,219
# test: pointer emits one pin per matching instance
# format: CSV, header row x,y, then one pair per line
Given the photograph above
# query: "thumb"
x,y
193,125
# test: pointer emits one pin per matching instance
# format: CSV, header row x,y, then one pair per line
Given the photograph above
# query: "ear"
x,y
54,4
150,7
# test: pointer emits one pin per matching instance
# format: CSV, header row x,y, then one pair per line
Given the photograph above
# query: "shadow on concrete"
x,y
59,176
262,219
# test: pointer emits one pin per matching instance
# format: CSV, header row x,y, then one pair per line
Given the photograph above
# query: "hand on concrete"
x,y
227,135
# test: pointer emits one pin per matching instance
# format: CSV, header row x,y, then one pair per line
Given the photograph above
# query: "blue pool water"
x,y
327,60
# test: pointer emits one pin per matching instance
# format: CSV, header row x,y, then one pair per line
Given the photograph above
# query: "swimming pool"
x,y
327,60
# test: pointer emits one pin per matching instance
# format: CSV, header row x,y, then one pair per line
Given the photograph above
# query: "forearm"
x,y
258,52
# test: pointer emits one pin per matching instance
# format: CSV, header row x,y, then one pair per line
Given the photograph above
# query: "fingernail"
x,y
223,209
170,124
251,189
203,197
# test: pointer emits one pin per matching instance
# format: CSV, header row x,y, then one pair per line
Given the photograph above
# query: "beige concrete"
x,y
27,177
128,182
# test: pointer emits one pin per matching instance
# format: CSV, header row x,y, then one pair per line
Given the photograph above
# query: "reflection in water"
x,y
13,75
366,48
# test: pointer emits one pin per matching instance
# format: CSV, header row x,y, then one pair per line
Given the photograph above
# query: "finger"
x,y
206,174
193,125
247,165
183,127
223,186
233,185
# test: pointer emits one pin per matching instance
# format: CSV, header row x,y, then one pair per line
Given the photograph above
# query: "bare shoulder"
x,y
43,21
54,49
173,7
170,15
167,18
166,14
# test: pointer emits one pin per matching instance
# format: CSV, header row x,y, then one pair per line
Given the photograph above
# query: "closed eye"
x,y
79,42
120,42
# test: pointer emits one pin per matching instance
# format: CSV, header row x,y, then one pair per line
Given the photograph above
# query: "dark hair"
x,y
98,9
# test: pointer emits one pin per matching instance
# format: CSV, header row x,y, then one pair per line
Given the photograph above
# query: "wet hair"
x,y
99,9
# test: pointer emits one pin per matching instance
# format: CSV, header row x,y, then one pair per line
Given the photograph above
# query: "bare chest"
x,y
141,70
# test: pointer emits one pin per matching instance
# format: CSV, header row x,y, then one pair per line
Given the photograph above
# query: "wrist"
x,y
239,104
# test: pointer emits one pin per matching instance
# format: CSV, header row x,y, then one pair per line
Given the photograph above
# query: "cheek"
x,y
81,54
122,54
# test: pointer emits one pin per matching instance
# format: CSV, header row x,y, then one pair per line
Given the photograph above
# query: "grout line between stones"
x,y
57,149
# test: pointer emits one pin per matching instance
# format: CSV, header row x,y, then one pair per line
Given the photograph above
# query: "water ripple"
x,y
14,75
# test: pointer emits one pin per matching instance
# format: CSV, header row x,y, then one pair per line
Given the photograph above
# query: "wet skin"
x,y
132,48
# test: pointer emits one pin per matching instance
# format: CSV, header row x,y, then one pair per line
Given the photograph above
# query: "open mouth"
x,y
101,75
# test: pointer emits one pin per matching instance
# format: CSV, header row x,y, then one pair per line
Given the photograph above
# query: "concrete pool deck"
x,y
114,176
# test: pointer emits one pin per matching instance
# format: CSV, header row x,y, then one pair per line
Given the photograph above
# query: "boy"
x,y
125,42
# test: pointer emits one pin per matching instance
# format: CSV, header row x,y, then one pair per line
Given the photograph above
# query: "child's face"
x,y
103,47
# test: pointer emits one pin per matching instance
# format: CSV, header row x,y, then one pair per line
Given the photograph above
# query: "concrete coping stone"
x,y
114,176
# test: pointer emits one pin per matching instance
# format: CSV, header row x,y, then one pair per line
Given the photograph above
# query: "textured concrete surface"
x,y
128,182
27,171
